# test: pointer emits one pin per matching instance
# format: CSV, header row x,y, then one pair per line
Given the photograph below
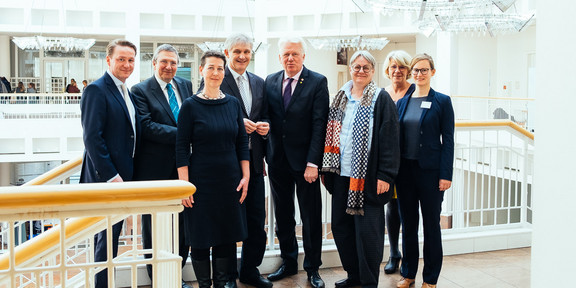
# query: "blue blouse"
x,y
346,138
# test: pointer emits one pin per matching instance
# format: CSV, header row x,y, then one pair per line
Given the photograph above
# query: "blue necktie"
x,y
287,93
173,102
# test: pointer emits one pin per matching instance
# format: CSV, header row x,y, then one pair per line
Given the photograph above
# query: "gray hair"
x,y
236,39
291,39
366,55
168,48
402,58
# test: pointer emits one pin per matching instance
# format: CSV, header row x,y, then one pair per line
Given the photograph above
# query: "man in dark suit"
x,y
111,127
298,110
249,89
158,100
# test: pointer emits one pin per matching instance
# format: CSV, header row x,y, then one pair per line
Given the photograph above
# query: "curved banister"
x,y
60,197
47,196
56,173
495,123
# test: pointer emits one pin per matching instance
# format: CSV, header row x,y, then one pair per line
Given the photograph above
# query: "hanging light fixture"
x,y
63,44
357,43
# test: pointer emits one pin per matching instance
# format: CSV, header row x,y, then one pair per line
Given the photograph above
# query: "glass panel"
x,y
54,75
76,72
28,63
146,55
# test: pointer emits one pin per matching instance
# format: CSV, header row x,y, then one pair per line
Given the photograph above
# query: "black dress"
x,y
211,141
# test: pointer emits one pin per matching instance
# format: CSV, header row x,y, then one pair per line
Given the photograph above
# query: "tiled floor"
x,y
499,269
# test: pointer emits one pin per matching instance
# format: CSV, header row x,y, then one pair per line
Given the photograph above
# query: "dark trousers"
x,y
147,239
283,180
393,227
101,254
254,246
359,239
418,190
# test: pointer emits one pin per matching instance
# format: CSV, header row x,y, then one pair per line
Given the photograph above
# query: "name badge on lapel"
x,y
426,104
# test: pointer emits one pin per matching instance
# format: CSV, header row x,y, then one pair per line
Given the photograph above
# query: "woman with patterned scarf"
x,y
361,159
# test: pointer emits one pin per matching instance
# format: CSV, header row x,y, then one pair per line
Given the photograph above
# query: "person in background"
x,y
111,130
249,90
72,88
397,69
5,86
212,152
427,155
31,88
298,110
84,84
158,100
362,157
20,88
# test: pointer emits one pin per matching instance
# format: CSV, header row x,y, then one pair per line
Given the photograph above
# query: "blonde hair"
x,y
402,58
421,57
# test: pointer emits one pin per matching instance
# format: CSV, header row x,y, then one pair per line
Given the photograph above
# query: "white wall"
x,y
554,230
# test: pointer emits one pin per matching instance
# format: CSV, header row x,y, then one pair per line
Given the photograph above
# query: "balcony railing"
x,y
489,206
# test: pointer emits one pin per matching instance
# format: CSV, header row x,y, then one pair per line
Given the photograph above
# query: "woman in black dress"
x,y
212,153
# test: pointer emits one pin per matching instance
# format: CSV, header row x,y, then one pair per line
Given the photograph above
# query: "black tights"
x,y
221,251
393,226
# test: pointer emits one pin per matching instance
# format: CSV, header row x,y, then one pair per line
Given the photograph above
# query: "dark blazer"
x,y
108,134
229,86
156,156
298,131
436,133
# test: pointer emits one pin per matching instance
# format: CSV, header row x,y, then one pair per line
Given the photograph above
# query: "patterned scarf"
x,y
360,132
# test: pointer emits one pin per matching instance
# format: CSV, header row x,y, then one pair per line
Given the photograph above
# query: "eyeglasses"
x,y
366,68
422,71
395,67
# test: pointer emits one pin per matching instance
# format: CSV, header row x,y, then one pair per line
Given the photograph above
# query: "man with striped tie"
x,y
158,100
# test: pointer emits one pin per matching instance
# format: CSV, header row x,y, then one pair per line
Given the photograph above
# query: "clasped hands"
x,y
260,127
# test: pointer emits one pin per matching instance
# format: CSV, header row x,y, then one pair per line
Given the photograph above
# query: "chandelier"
x,y
211,46
358,43
65,44
488,16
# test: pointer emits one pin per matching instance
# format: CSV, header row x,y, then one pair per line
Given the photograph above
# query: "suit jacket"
x,y
230,87
436,133
156,155
109,138
298,131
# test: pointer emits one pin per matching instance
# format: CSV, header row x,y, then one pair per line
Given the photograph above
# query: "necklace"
x,y
204,96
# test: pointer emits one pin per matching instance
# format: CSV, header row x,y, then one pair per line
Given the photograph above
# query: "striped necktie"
x,y
173,102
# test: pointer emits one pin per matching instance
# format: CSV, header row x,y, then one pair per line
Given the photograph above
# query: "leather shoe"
x,y
346,283
315,280
405,283
184,285
282,272
426,285
392,265
258,282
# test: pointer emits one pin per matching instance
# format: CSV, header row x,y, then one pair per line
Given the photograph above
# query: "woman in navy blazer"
x,y
427,153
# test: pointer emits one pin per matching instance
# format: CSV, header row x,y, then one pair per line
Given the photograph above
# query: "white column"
x,y
554,231
445,62
260,38
133,35
5,172
5,55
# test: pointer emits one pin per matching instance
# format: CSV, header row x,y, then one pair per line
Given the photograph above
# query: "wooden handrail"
x,y
53,174
495,123
46,240
61,196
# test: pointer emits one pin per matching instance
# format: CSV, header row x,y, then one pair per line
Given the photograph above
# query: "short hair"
x,y
402,58
421,57
212,53
119,42
236,39
291,39
366,55
167,48
84,81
